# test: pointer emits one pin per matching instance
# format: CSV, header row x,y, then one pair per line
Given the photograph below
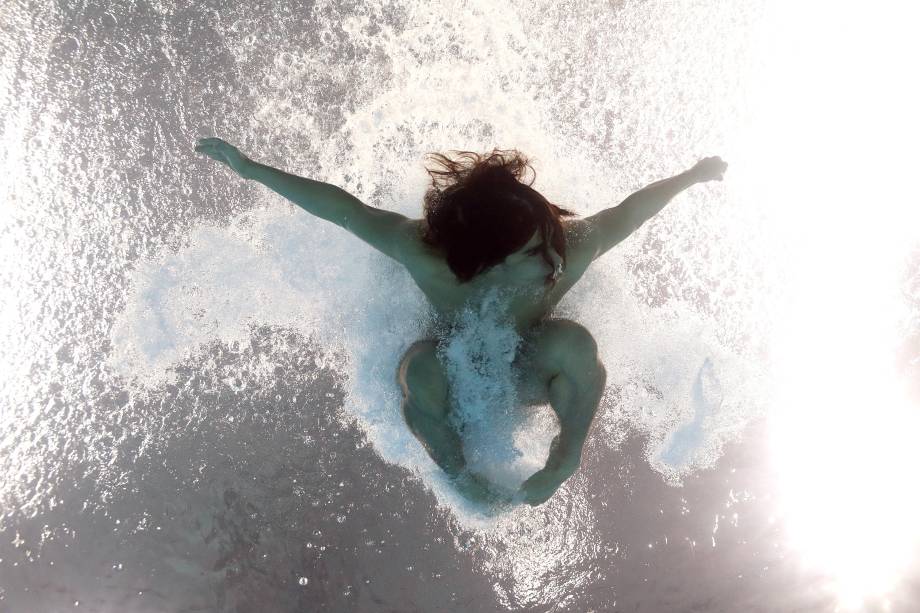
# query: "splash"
x,y
670,377
504,441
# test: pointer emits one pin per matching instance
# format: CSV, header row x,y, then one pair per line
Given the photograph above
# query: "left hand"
x,y
225,153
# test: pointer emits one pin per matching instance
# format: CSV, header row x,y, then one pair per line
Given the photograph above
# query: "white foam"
x,y
502,440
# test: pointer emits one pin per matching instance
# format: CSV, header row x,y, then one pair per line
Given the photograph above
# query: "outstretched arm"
x,y
388,232
612,225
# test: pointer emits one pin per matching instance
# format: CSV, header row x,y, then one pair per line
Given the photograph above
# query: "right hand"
x,y
541,485
709,169
225,153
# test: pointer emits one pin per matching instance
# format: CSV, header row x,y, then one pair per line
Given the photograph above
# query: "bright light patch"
x,y
844,442
833,136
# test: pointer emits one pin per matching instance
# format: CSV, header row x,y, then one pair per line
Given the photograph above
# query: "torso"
x,y
528,299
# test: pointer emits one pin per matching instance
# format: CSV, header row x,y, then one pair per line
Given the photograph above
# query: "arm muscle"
x,y
390,233
612,225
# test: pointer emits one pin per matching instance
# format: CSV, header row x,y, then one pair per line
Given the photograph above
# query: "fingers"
x,y
204,147
211,152
711,168
210,145
207,150
215,156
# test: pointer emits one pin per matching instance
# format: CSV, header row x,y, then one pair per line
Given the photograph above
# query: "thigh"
x,y
425,405
550,348
423,378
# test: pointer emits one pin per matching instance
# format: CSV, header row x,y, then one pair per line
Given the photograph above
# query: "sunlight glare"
x,y
843,428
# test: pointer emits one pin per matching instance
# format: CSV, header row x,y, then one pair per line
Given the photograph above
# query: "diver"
x,y
482,228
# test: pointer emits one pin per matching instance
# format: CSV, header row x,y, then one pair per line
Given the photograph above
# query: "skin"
x,y
558,360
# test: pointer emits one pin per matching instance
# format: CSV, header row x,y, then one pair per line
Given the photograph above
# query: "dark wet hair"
x,y
479,212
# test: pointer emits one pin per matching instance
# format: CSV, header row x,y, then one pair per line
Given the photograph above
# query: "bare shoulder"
x,y
418,257
579,237
429,267
418,254
579,253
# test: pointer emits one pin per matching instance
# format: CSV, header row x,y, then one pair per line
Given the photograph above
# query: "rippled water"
x,y
199,409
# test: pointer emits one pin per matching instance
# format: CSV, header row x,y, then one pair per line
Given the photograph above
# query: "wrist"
x,y
247,169
564,468
692,176
564,458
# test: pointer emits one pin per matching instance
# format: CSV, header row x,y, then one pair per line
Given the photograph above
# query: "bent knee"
x,y
571,337
568,347
422,376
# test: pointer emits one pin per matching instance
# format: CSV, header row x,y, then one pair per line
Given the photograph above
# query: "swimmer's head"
x,y
479,212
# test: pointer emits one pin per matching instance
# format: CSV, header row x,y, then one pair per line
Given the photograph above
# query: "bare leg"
x,y
426,409
564,359
560,356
